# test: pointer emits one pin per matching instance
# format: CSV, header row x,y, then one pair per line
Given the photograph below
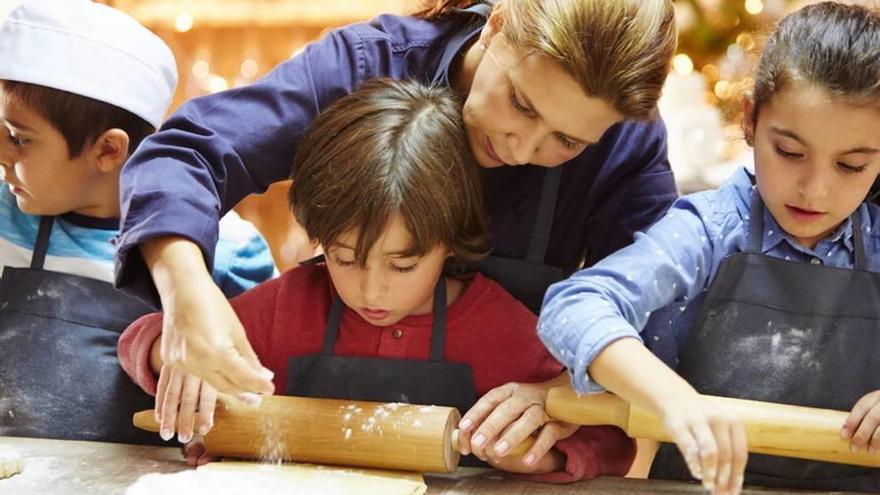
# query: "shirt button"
x,y
815,261
397,333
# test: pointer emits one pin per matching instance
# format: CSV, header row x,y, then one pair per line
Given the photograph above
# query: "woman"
x,y
546,83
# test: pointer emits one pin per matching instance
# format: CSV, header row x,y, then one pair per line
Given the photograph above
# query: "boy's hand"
x,y
862,426
712,441
184,402
200,332
504,418
195,453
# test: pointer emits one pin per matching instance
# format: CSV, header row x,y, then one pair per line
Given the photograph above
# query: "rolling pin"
x,y
775,429
395,436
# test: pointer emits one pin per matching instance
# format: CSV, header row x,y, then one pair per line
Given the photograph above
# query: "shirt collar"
x,y
460,40
773,235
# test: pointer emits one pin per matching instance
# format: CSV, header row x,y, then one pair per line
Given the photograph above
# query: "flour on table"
x,y
234,478
10,462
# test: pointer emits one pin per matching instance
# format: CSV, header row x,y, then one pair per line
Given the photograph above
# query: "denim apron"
x,y
782,331
59,373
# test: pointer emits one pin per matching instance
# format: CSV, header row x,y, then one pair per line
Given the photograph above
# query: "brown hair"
x,y
79,119
391,146
618,50
832,45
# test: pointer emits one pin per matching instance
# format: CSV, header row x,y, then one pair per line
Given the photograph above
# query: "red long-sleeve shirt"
x,y
486,328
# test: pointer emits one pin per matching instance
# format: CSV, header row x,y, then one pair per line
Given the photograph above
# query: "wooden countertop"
x,y
64,467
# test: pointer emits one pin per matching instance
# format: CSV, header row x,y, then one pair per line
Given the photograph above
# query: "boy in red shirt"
x,y
384,181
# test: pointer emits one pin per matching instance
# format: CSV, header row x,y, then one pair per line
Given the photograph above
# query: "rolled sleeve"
x,y
615,298
134,348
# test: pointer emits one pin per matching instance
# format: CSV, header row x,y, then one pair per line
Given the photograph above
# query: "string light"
x,y
754,7
683,64
184,22
201,69
249,68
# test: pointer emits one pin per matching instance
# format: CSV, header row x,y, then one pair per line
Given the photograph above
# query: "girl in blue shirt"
x,y
765,288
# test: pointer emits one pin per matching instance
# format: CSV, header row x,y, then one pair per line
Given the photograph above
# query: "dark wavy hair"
x,y
391,146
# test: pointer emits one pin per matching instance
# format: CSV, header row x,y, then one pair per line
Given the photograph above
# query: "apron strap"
x,y
544,218
438,335
861,261
41,247
756,222
331,331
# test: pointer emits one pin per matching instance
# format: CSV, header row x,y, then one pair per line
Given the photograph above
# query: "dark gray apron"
x,y
433,381
526,279
795,333
59,373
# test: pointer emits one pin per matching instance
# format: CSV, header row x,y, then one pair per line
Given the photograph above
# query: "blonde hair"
x,y
618,50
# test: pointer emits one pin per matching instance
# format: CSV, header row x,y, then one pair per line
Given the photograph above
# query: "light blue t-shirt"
x,y
653,289
81,245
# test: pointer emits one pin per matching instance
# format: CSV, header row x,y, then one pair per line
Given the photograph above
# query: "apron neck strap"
x,y
41,247
756,227
861,261
756,222
438,335
540,239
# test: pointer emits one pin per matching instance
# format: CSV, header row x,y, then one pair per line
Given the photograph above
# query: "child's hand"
x,y
504,418
712,441
862,426
195,453
184,400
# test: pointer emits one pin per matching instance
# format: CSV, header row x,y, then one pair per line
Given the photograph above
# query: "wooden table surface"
x,y
61,467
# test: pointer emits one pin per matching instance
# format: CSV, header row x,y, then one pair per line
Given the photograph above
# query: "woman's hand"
x,y
184,403
506,417
862,426
201,333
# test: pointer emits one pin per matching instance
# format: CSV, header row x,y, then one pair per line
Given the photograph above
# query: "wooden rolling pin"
x,y
775,429
343,432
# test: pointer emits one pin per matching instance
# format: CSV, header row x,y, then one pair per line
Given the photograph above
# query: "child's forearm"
x,y
156,356
627,368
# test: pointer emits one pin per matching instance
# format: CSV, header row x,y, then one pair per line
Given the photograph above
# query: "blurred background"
x,y
221,44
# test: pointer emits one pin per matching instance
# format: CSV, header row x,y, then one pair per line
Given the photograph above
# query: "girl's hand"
x,y
712,441
183,402
862,426
504,418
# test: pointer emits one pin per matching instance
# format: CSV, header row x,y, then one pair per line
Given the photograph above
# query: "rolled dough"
x,y
10,462
234,478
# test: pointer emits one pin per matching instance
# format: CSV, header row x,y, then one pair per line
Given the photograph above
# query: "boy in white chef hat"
x,y
81,84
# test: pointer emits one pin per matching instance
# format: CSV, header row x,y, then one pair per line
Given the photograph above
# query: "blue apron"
x,y
59,372
782,331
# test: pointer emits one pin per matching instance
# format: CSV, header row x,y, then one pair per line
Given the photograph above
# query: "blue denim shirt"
x,y
217,149
652,289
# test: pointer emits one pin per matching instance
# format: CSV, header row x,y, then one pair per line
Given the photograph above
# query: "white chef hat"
x,y
91,50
